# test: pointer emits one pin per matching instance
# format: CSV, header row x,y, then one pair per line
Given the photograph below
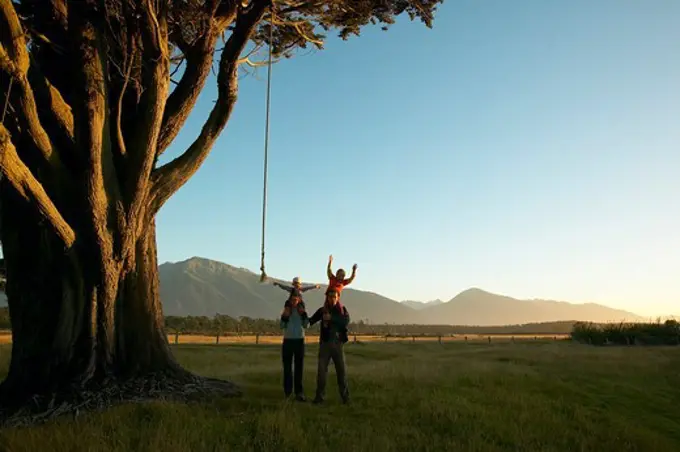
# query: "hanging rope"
x,y
263,276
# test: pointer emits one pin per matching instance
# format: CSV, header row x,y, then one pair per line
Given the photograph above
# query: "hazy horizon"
x,y
442,300
526,148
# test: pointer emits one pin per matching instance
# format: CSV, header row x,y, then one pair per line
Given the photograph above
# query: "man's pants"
x,y
336,352
293,350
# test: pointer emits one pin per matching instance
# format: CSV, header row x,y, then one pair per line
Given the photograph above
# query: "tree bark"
x,y
142,345
73,331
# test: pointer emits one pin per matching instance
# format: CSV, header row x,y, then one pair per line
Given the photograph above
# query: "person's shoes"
x,y
301,398
317,401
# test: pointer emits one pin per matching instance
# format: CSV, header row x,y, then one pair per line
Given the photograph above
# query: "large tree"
x,y
91,105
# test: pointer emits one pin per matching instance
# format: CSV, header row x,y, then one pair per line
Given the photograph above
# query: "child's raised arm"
x,y
352,276
329,272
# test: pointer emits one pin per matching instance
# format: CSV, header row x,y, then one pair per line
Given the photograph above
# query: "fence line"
x,y
268,339
265,339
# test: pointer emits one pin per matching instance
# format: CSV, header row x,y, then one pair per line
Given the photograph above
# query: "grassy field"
x,y
528,396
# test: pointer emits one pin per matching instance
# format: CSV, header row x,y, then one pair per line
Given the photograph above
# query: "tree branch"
x,y
183,98
199,59
298,25
170,177
14,61
47,21
53,110
50,99
118,111
142,149
28,187
92,128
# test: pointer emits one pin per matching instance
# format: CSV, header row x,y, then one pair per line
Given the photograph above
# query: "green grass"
x,y
406,397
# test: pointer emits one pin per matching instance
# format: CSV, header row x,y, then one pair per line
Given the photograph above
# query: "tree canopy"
x,y
75,63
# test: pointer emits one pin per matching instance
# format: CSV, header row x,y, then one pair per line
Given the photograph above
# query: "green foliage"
x,y
297,24
420,397
666,333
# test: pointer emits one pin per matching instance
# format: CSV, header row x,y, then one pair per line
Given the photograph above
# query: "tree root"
x,y
104,395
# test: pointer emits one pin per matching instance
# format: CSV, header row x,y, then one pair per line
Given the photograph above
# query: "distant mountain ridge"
x,y
479,307
204,287
418,305
199,286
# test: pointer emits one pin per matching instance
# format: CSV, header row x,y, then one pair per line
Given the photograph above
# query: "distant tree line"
x,y
659,333
225,324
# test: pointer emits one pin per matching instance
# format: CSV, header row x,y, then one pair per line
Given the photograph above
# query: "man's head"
x,y
340,274
295,296
296,282
332,297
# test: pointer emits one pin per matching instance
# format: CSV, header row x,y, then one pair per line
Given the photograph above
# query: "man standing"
x,y
294,320
334,320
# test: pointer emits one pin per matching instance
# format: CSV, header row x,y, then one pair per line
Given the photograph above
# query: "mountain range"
x,y
418,305
204,287
199,286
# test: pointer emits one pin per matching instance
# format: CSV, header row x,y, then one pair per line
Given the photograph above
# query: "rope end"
x,y
263,277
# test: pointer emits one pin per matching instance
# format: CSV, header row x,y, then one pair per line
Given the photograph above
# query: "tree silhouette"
x,y
91,108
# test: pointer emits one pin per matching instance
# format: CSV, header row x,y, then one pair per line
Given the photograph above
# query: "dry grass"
x,y
528,396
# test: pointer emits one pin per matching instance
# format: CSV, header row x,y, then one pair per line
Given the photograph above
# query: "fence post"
x,y
512,339
176,338
414,338
385,338
489,339
257,338
440,339
535,338
355,338
217,339
555,337
465,338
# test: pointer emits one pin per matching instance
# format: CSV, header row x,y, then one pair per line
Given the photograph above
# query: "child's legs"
x,y
299,360
322,369
340,369
287,350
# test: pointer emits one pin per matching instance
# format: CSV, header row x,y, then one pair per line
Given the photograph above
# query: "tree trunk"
x,y
141,341
82,323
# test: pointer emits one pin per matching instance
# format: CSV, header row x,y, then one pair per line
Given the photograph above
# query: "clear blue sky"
x,y
529,147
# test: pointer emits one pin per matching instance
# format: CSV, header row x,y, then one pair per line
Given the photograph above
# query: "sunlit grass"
x,y
533,396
